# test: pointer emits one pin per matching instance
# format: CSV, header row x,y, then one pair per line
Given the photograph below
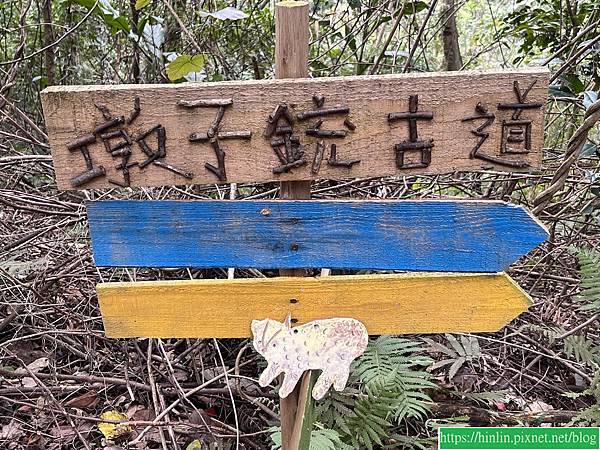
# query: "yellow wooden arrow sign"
x,y
386,304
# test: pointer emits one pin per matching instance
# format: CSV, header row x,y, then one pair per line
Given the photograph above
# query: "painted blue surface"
x,y
455,236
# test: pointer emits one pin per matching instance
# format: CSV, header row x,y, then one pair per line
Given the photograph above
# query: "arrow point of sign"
x,y
541,229
516,302
528,230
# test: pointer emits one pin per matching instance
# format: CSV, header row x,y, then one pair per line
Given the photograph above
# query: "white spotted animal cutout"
x,y
329,345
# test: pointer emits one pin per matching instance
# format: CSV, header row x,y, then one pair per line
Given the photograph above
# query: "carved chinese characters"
x,y
423,146
299,129
116,135
515,132
287,146
319,130
213,134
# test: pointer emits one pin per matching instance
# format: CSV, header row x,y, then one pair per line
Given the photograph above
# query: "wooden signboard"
x,y
295,129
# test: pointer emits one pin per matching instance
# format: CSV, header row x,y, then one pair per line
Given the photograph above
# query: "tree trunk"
x,y
135,63
452,57
48,40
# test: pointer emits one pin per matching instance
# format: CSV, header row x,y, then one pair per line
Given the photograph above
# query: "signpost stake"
x,y
291,61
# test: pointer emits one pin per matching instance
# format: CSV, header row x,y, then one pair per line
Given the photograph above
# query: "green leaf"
x,y
589,149
575,83
111,17
195,444
441,363
556,90
454,343
184,64
441,348
456,366
139,4
414,7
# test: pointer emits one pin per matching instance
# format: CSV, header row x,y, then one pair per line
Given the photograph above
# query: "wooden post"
x,y
291,61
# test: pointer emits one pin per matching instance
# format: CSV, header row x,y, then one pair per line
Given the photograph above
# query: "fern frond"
x,y
583,350
483,398
387,354
407,386
373,411
590,417
413,405
410,443
392,388
326,439
589,270
551,333
320,439
335,410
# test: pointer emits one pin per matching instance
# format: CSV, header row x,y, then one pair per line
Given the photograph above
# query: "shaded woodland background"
x,y
59,374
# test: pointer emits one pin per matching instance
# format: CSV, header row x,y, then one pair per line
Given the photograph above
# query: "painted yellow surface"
x,y
386,304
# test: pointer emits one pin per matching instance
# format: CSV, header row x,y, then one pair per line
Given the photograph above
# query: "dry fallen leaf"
x,y
194,445
85,401
64,432
538,406
140,412
38,364
114,430
12,430
28,382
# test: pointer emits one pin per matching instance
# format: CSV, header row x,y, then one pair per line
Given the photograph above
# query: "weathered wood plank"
x,y
457,236
187,115
386,304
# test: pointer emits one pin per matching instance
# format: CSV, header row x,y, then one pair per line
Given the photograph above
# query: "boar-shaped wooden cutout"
x,y
329,345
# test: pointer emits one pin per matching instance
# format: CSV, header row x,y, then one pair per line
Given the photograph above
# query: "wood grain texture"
x,y
70,113
385,304
457,236
292,33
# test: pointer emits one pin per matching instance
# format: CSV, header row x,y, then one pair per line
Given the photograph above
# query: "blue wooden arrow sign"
x,y
456,236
